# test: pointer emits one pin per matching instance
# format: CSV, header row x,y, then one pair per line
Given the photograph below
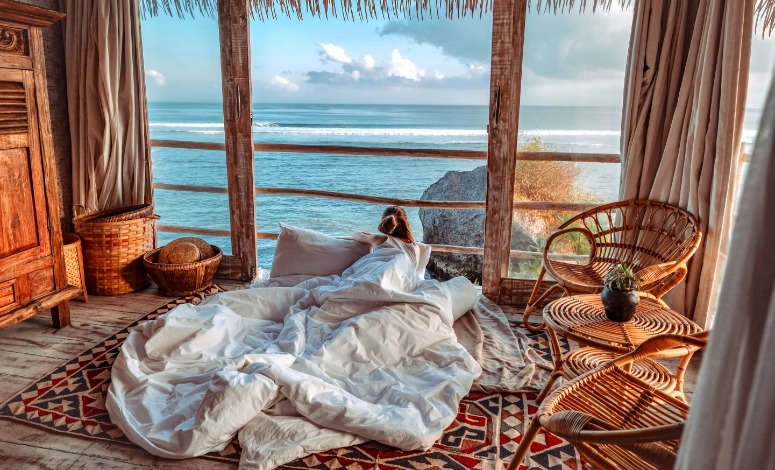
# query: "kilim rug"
x,y
488,428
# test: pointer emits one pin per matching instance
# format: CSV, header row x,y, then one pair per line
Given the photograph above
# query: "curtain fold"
x,y
682,124
730,425
107,109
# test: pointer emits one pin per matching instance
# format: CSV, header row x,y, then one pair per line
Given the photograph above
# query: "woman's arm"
x,y
369,239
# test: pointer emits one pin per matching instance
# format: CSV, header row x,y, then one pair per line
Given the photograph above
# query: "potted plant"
x,y
620,294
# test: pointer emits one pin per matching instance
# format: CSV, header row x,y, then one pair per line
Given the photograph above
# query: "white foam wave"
x,y
367,131
273,128
186,124
564,132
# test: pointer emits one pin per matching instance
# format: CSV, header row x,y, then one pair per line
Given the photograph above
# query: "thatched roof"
x,y
365,9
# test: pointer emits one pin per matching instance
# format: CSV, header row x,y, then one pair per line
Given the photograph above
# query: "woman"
x,y
395,227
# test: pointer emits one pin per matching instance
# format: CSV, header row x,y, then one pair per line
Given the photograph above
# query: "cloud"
x,y
335,53
556,46
400,67
283,84
393,70
155,76
465,39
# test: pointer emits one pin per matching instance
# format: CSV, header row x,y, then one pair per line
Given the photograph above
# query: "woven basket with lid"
x,y
113,248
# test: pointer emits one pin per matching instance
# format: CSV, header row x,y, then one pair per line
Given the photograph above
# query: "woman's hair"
x,y
395,223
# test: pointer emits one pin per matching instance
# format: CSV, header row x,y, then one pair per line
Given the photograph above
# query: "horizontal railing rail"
x,y
466,250
389,201
396,152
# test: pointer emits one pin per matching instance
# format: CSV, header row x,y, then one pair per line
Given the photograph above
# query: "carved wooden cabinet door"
x,y
26,264
33,276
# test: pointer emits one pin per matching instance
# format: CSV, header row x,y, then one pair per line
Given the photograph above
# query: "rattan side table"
x,y
582,319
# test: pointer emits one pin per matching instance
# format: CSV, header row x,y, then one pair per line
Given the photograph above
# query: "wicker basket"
x,y
73,255
178,280
125,213
113,251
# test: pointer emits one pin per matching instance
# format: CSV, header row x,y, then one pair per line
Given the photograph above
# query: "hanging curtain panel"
x,y
106,101
731,422
684,104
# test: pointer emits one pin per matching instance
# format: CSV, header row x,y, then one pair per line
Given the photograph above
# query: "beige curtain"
x,y
731,423
687,78
106,101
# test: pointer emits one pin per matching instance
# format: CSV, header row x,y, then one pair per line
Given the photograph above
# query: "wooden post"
x,y
234,32
508,35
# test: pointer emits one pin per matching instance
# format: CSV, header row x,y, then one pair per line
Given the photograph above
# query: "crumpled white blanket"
x,y
327,363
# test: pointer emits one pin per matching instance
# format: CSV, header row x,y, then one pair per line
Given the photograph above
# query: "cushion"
x,y
463,295
301,251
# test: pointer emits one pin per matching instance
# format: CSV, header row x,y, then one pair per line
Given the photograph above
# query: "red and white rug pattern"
x,y
488,428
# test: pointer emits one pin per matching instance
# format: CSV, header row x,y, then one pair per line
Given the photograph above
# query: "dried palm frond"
x,y
366,9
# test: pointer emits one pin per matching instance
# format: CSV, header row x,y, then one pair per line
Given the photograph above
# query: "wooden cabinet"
x,y
32,270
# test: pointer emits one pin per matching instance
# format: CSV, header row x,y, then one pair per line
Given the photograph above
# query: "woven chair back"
x,y
642,233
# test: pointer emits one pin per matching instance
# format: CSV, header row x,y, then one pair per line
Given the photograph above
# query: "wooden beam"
x,y
396,152
389,201
234,33
466,250
508,35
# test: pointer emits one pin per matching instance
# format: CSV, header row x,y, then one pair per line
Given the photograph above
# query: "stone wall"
x,y
54,50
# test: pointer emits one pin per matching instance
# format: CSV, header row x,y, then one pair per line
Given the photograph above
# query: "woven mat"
x,y
488,428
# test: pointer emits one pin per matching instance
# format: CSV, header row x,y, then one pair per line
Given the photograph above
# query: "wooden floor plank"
x,y
10,385
22,457
84,453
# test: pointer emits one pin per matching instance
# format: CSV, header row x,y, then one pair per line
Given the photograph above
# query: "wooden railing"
x,y
383,152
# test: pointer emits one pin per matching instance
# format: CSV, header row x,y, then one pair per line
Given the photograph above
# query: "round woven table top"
x,y
582,318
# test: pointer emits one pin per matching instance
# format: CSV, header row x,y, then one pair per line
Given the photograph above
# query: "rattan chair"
x,y
656,238
615,420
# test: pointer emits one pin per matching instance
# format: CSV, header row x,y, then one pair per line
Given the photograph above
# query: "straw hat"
x,y
204,248
179,253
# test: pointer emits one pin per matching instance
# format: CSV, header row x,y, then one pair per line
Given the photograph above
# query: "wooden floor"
x,y
31,349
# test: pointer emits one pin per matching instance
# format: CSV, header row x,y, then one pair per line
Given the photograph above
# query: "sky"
x,y
570,59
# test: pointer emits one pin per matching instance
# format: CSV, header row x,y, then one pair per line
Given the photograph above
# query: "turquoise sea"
x,y
569,129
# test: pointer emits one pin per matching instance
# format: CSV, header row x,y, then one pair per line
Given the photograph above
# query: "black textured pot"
x,y
619,305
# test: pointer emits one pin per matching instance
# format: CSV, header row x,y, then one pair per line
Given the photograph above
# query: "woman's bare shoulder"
x,y
369,238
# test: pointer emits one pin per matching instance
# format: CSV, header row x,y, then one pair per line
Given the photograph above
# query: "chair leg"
x,y
535,300
557,362
548,387
524,445
680,372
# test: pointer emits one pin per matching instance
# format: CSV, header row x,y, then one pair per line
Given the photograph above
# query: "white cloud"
x,y
335,53
393,71
405,68
283,84
367,61
155,76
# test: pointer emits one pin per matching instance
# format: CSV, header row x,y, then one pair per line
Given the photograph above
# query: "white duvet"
x,y
326,363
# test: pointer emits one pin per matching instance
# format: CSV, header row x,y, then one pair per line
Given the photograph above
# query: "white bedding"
x,y
299,366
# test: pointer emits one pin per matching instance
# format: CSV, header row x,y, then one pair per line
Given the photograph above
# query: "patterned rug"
x,y
488,428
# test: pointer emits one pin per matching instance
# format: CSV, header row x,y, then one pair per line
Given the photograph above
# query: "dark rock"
x,y
460,227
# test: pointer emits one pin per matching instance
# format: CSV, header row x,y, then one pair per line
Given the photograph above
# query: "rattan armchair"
x,y
615,420
656,238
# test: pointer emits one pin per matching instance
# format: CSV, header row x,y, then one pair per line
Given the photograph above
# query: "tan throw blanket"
x,y
508,362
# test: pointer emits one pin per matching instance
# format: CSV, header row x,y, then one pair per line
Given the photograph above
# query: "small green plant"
x,y
622,277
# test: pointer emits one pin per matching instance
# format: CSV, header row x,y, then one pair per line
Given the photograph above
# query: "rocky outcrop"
x,y
460,227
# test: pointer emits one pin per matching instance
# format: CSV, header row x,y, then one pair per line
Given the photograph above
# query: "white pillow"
x,y
463,295
301,251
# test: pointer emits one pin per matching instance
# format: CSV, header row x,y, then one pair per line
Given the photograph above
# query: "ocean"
x,y
568,129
